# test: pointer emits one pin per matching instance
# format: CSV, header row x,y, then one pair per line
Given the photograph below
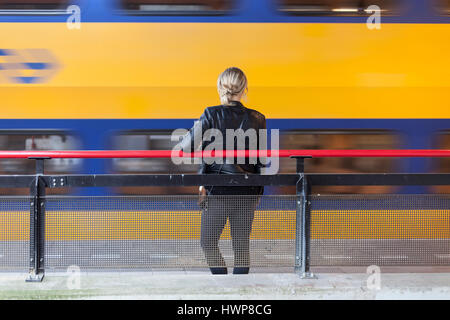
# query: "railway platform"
x,y
200,285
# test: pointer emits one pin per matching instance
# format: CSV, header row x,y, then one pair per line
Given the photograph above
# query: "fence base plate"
x,y
33,277
308,275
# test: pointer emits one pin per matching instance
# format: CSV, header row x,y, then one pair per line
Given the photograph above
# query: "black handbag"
x,y
203,194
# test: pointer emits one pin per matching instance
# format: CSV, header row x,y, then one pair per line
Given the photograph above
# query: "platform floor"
x,y
201,285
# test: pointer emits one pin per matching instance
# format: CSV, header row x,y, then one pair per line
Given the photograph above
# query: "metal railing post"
x,y
303,223
37,224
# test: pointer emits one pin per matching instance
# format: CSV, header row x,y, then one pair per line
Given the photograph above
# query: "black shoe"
x,y
218,270
241,270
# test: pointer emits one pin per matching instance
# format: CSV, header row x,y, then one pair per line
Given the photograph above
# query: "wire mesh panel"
x,y
383,230
14,233
145,232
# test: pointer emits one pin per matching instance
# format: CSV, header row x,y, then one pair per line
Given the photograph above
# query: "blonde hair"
x,y
231,82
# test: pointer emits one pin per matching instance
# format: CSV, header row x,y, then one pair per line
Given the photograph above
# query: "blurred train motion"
x,y
136,70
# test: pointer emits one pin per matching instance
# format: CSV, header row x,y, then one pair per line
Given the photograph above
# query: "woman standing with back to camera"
x,y
237,204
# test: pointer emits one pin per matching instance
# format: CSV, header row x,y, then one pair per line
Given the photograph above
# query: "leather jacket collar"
x,y
235,104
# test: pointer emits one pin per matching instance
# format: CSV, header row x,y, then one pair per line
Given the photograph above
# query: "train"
x,y
123,74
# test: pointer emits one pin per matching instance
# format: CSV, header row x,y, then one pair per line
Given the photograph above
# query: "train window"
x,y
173,7
443,142
441,165
38,140
323,139
340,139
336,7
33,4
443,6
149,140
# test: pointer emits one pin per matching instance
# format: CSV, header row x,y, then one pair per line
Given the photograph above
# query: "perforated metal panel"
x,y
14,233
384,230
166,231
146,232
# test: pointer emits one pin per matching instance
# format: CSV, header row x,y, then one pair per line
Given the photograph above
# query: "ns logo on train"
x,y
27,66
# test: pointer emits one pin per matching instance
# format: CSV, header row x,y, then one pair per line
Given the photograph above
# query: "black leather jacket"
x,y
223,117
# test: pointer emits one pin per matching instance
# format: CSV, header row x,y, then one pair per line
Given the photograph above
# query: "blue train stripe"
x,y
97,134
250,11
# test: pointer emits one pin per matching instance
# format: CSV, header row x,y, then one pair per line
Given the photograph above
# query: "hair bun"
x,y
230,83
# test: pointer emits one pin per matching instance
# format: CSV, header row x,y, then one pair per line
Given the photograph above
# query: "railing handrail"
x,y
103,154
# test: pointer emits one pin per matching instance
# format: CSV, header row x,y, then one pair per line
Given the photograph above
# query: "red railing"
x,y
226,153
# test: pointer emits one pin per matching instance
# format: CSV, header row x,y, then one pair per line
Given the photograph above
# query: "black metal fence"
x,y
287,231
